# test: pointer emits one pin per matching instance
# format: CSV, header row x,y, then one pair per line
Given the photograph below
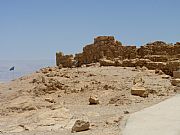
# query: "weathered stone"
x,y
80,125
177,89
175,81
159,72
156,65
139,91
165,77
93,100
144,68
105,62
64,60
113,120
50,100
138,81
157,58
171,66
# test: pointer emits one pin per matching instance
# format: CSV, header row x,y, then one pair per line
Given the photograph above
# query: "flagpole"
x,y
13,74
12,69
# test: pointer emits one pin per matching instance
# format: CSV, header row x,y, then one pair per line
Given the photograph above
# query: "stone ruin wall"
x,y
64,60
110,52
105,47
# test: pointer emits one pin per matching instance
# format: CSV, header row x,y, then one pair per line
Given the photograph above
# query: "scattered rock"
x,y
93,100
144,68
51,74
159,72
113,120
120,100
39,79
138,81
175,81
114,100
106,87
139,91
80,125
126,112
177,89
60,66
50,100
165,77
138,67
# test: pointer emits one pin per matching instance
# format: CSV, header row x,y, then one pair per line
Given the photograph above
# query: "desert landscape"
x,y
93,92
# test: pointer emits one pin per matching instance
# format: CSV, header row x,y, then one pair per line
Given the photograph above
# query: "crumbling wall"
x,y
159,48
64,60
110,52
105,47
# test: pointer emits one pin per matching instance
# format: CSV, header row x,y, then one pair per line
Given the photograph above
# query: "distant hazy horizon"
x,y
22,67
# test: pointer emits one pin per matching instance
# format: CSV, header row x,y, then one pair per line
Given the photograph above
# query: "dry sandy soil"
x,y
49,101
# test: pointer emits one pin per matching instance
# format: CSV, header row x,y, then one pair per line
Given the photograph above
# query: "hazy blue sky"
x,y
36,29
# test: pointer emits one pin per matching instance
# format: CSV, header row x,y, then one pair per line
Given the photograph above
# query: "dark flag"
x,y
11,69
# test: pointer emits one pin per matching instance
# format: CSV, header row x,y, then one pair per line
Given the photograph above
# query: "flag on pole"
x,y
12,68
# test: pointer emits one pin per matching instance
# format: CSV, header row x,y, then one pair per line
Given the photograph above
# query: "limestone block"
x,y
139,91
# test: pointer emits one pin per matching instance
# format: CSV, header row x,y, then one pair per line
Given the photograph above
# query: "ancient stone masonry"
x,y
110,52
64,60
160,49
105,47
